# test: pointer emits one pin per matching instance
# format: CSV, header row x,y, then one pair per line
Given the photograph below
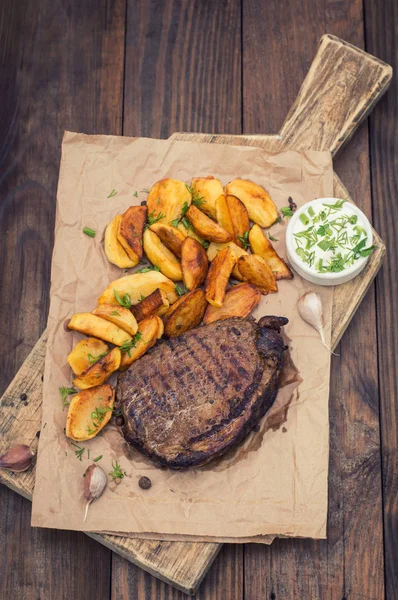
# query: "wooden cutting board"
x,y
341,87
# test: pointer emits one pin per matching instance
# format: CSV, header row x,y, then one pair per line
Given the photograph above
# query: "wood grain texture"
x,y
53,78
382,38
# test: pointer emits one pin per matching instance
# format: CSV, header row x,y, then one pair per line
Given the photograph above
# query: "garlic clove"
x,y
311,311
95,481
17,459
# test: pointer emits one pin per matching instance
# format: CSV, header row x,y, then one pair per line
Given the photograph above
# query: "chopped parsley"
x,y
65,392
151,220
125,301
180,290
147,269
93,359
129,344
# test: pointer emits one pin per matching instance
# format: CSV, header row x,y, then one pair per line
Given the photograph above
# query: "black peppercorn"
x,y
23,397
119,421
143,203
145,483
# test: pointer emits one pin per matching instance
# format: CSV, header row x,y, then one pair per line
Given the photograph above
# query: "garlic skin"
x,y
95,481
17,459
310,308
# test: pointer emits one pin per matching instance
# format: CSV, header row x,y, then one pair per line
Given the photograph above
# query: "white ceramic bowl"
x,y
325,278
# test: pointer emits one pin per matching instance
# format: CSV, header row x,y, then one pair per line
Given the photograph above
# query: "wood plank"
x,y
381,37
330,568
54,77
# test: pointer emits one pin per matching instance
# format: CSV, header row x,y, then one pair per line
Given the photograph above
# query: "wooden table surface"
x,y
149,68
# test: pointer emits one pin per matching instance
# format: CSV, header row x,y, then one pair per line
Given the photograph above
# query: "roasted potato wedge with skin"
x,y
239,301
89,411
114,250
90,324
78,358
138,285
255,270
150,305
261,208
167,197
208,189
261,246
190,232
194,263
206,228
118,315
218,275
151,329
170,236
214,249
185,314
100,371
130,231
223,216
161,256
239,217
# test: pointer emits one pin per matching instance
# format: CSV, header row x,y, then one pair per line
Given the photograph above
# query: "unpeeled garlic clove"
x,y
310,308
17,459
95,481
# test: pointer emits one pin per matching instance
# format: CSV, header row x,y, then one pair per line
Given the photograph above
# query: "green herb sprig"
x,y
124,301
65,392
129,344
245,240
117,471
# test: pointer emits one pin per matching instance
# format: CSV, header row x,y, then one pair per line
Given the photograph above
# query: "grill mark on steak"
x,y
195,396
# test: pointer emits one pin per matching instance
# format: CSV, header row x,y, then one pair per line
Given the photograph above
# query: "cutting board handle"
x,y
340,89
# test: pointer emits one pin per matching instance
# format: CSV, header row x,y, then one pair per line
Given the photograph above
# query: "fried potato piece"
x,y
185,314
90,324
206,228
161,256
79,358
260,207
150,329
214,249
194,263
170,236
89,411
218,275
261,246
239,301
130,230
100,371
138,285
114,251
223,215
255,270
208,189
167,198
118,315
239,217
152,304
190,232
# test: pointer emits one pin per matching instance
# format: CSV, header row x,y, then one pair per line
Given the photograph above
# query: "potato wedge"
x,y
185,314
114,250
100,371
261,246
151,305
118,315
170,236
130,231
89,411
218,275
261,208
239,301
190,232
194,263
167,198
138,285
151,329
161,256
223,216
214,249
208,189
90,324
206,228
255,270
79,358
239,217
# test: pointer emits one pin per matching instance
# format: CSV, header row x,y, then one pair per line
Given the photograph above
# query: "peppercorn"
x,y
145,483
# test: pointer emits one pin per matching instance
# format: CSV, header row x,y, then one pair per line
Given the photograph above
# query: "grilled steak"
x,y
195,396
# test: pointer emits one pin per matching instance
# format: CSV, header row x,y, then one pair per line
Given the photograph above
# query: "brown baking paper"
x,y
275,483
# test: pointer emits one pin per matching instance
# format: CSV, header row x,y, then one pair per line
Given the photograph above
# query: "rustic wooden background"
x,y
230,66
